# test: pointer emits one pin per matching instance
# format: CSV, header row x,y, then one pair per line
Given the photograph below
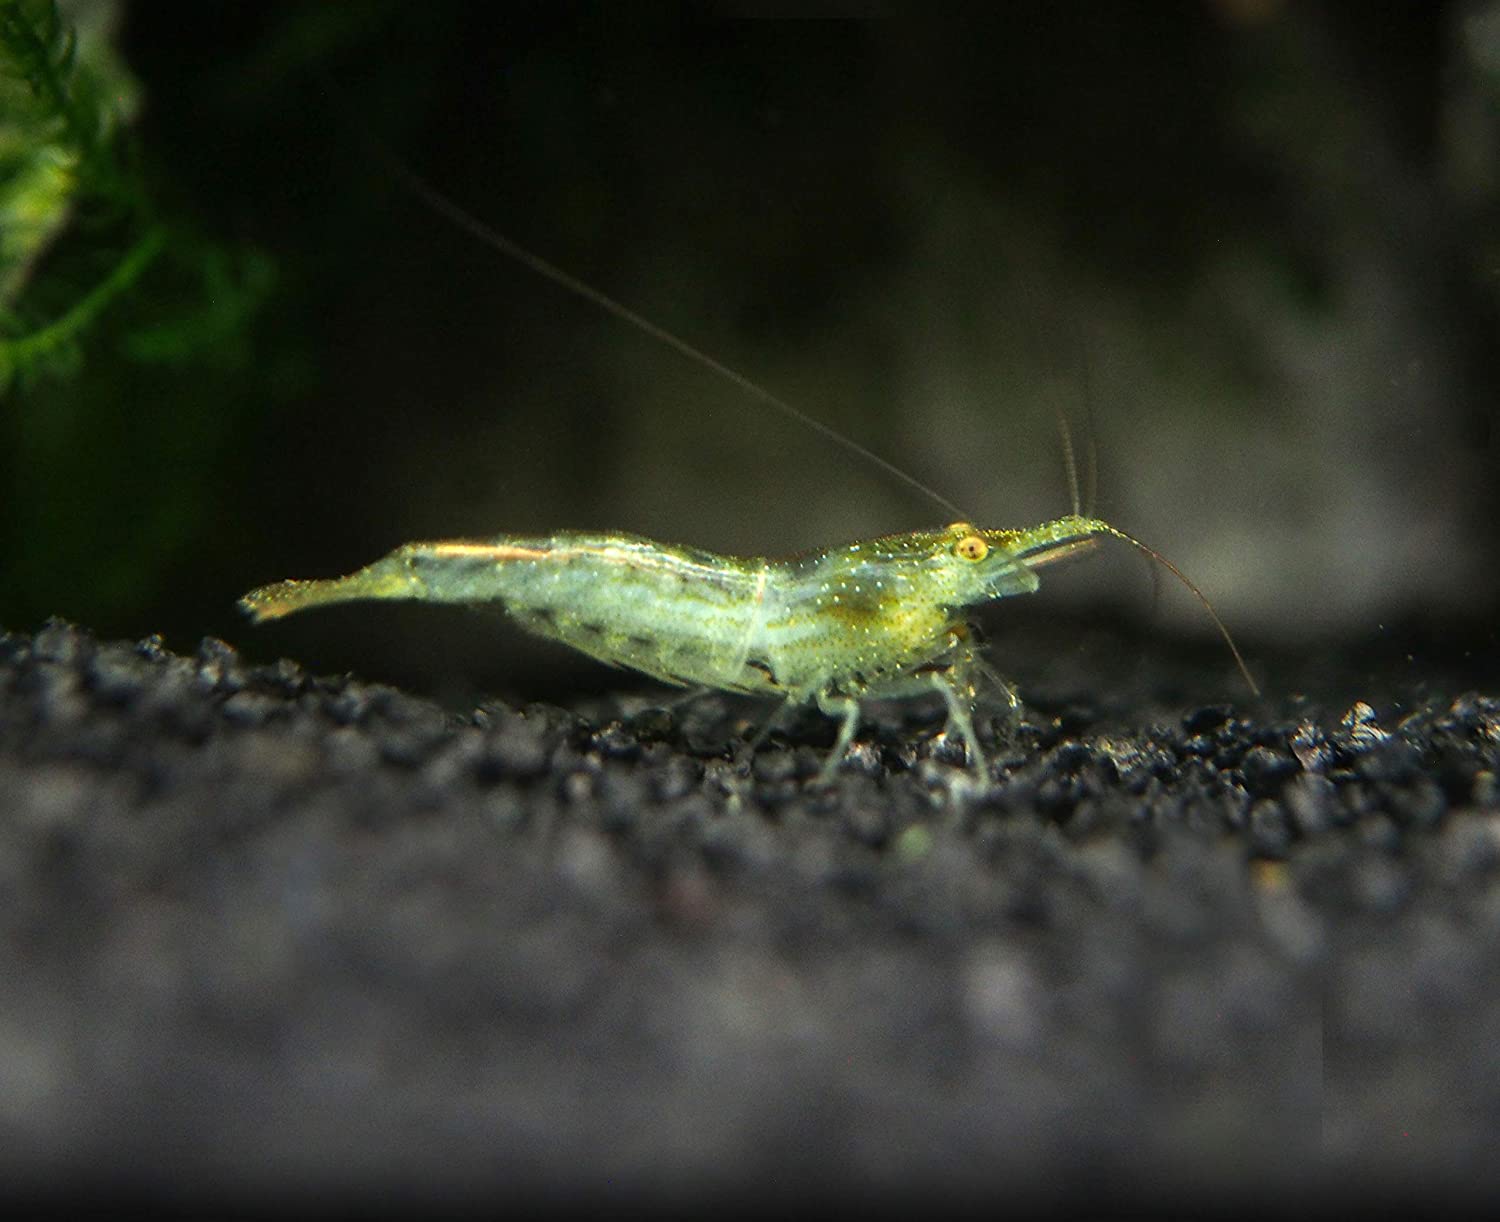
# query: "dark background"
x,y
1256,242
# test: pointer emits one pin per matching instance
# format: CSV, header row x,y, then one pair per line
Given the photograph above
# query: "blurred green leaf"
x,y
110,453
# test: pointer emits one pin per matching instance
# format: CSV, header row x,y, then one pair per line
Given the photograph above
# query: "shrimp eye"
x,y
972,547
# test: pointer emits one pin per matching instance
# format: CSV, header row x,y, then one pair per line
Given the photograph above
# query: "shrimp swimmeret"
x,y
879,619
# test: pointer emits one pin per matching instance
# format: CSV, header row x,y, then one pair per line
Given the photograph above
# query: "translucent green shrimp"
x,y
879,619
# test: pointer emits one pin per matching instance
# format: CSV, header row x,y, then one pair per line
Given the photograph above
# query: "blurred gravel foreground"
x,y
274,936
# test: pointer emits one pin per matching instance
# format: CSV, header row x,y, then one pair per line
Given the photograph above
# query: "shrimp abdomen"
x,y
679,614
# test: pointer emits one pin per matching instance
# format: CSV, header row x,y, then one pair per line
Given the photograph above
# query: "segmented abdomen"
x,y
679,614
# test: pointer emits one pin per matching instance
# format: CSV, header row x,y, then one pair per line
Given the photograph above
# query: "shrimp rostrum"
x,y
879,619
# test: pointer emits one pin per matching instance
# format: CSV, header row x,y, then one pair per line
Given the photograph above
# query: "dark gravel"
x,y
265,932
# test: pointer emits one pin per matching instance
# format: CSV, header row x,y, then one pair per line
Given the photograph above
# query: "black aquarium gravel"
x,y
266,932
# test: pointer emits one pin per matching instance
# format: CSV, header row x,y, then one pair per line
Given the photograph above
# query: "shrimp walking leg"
x,y
771,722
846,707
959,715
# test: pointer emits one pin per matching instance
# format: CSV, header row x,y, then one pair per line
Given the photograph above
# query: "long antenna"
x,y
497,241
1176,572
1070,461
1090,428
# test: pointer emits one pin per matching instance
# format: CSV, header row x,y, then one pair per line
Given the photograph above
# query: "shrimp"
x,y
882,618
876,619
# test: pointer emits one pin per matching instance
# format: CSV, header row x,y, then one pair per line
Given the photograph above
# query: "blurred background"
x,y
1256,243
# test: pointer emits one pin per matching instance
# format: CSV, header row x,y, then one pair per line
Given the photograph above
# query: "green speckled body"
x,y
862,618
879,618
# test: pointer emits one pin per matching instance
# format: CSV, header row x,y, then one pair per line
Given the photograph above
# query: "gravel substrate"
x,y
268,933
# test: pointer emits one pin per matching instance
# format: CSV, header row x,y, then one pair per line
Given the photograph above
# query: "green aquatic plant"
x,y
64,106
124,329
